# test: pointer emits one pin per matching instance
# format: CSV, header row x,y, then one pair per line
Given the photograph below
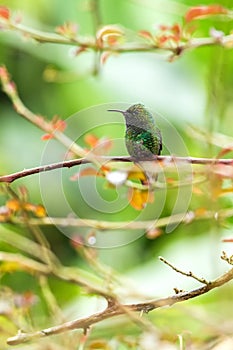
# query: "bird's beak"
x,y
116,110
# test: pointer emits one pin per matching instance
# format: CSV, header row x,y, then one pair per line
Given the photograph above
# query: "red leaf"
x,y
46,137
59,124
88,172
103,34
227,240
171,34
222,170
105,55
80,49
56,125
98,146
91,140
145,34
200,11
4,12
85,172
162,39
224,151
176,29
164,27
197,190
68,30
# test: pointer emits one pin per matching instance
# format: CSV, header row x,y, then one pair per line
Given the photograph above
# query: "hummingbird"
x,y
142,138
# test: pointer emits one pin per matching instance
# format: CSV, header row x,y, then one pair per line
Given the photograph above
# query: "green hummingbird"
x,y
142,138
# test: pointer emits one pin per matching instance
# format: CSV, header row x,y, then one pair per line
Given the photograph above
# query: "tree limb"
x,y
91,43
113,309
166,160
187,274
184,218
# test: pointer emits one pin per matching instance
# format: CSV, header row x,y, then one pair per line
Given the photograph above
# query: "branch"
x,y
114,309
228,259
91,282
24,262
165,160
184,218
187,274
96,13
92,43
11,91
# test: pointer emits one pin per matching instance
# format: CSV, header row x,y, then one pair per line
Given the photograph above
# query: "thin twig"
x,y
228,259
184,218
115,310
188,274
11,91
50,298
90,43
165,160
96,14
76,275
24,262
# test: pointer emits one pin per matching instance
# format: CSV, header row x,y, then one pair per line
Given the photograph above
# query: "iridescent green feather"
x,y
143,139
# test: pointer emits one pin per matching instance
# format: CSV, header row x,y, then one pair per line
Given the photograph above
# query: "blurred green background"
x,y
196,88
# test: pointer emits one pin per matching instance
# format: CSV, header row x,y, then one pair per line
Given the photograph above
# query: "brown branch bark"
x,y
187,274
114,309
71,163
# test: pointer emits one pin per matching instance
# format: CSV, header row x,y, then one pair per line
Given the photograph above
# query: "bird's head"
x,y
134,115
